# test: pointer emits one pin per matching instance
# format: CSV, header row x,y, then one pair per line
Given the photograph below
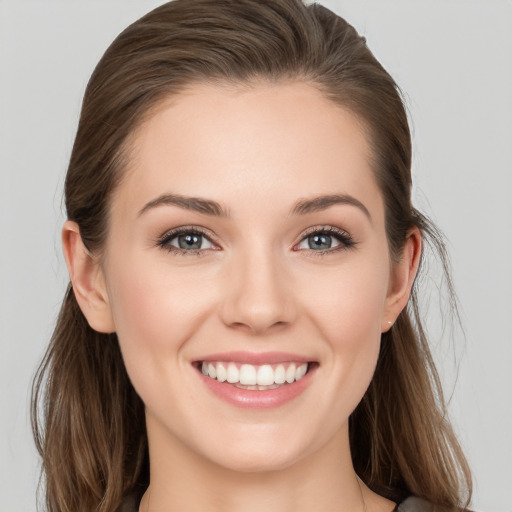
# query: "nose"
x,y
258,296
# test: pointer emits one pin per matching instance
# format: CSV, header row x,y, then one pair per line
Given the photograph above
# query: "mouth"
x,y
254,377
262,385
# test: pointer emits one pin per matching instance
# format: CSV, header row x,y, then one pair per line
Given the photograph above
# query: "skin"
x,y
257,287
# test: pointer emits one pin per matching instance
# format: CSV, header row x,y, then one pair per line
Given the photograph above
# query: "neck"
x,y
325,480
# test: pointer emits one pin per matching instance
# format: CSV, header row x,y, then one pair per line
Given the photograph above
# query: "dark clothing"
x,y
413,504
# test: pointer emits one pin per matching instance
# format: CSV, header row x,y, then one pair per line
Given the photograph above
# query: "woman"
x,y
241,329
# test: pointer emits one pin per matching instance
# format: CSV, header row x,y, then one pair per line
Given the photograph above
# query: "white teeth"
x,y
259,388
300,372
233,373
222,373
248,376
290,374
265,375
280,375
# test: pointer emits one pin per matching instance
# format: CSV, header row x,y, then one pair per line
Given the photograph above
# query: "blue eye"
x,y
185,240
191,241
320,242
326,239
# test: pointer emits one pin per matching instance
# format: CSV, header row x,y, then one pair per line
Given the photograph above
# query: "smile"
x,y
256,381
255,377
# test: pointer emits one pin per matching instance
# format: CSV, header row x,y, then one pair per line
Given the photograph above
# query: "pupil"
x,y
320,242
189,241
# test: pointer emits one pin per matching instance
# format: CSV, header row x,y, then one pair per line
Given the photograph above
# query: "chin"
x,y
256,463
258,457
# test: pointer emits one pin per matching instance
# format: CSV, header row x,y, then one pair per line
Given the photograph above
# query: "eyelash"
x,y
345,240
343,237
164,241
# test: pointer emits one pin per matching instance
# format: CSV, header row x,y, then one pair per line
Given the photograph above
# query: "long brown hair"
x,y
88,421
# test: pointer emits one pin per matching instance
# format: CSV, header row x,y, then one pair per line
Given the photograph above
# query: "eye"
x,y
326,239
185,240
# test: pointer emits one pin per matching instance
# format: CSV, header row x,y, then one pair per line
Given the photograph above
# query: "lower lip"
x,y
256,399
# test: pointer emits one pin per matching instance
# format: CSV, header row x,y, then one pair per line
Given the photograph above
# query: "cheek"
x,y
148,298
155,312
348,302
346,308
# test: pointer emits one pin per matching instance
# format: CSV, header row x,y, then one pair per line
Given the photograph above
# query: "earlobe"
x,y
87,279
402,278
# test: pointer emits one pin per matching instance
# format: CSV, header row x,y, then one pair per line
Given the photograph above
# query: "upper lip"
x,y
255,358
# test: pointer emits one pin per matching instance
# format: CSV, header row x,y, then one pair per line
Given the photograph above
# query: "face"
x,y
248,234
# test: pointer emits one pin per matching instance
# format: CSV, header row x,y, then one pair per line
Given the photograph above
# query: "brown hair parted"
x,y
91,435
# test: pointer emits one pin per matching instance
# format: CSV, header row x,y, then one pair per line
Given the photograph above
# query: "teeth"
x,y
290,374
299,373
265,375
248,376
259,388
222,373
280,375
233,373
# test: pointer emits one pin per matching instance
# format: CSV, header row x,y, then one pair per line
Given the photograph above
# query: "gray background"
x,y
453,59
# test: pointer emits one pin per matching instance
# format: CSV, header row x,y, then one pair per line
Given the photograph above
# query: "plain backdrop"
x,y
453,60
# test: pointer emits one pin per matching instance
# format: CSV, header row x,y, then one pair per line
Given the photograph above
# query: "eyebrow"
x,y
205,206
213,208
319,203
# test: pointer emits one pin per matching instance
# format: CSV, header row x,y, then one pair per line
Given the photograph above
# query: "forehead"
x,y
281,141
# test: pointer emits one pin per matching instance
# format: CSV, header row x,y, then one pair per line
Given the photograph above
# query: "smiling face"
x,y
248,236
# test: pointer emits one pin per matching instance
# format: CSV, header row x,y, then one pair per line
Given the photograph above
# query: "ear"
x,y
403,274
87,279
